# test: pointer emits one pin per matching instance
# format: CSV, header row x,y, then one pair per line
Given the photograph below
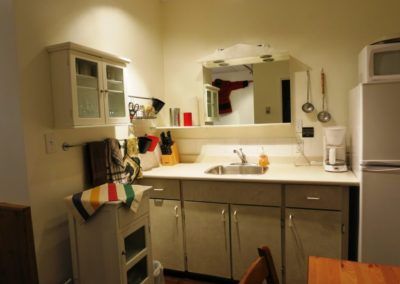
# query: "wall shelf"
x,y
179,127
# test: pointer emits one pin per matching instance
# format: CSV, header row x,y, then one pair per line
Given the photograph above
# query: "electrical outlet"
x,y
307,132
50,142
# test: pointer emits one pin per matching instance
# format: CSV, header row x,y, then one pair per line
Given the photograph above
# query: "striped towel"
x,y
84,204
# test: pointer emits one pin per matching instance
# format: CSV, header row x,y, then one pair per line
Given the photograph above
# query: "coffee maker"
x,y
335,149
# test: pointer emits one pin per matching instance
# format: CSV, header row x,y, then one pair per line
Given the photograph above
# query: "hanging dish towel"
x,y
114,161
97,162
84,204
131,161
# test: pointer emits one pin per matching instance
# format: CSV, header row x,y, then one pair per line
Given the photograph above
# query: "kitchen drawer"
x,y
232,192
126,216
163,188
315,197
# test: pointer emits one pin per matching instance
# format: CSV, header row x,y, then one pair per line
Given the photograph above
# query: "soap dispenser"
x,y
263,159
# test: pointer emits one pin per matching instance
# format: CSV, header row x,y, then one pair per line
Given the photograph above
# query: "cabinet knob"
x,y
235,216
123,252
176,211
290,220
223,215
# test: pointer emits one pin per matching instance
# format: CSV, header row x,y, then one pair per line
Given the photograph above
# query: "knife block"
x,y
173,159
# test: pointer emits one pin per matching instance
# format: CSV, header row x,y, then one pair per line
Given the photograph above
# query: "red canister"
x,y
187,119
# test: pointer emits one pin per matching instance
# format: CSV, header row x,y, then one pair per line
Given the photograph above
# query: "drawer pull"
x,y
158,189
235,216
313,198
223,215
176,211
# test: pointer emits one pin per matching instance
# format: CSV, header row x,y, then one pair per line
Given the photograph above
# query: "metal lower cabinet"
x,y
252,227
310,232
207,238
167,233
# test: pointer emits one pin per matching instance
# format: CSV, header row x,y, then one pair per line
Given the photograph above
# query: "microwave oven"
x,y
379,63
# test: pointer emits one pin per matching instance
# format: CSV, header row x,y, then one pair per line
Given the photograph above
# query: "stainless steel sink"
x,y
236,169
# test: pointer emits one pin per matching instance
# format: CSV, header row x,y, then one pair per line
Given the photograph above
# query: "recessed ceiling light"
x,y
218,61
268,59
266,56
223,64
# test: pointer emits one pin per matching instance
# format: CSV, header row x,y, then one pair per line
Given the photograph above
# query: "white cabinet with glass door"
x,y
114,245
211,106
88,87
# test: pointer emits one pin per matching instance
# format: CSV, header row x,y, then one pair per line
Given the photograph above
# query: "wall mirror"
x,y
252,91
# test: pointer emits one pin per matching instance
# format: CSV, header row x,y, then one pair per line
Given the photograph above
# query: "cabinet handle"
x,y
313,198
290,220
176,211
235,216
105,91
101,91
123,252
223,215
158,189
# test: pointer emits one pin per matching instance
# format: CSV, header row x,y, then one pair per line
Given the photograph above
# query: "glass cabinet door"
x,y
211,104
87,88
134,243
115,104
137,262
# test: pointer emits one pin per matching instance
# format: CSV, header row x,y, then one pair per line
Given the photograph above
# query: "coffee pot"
x,y
335,149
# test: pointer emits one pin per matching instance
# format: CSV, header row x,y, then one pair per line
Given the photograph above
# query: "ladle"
x,y
308,106
323,116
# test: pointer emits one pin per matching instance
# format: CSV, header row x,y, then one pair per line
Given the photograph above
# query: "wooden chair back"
x,y
261,269
17,250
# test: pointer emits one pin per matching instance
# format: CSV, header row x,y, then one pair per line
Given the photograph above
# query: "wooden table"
x,y
323,270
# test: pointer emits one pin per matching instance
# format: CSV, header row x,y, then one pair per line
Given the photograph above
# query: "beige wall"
x,y
12,154
320,34
127,28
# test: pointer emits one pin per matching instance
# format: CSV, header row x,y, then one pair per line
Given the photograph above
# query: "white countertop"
x,y
279,173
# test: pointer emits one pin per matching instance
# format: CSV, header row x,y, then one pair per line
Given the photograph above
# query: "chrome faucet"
x,y
241,155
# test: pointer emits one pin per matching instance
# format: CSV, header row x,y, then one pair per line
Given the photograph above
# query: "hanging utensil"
x,y
308,106
323,116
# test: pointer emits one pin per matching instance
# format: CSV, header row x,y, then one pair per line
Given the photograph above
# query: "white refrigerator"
x,y
374,124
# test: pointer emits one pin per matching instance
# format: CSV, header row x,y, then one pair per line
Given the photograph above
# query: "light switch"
x,y
50,142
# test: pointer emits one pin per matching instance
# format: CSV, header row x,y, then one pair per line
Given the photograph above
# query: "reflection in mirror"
x,y
252,93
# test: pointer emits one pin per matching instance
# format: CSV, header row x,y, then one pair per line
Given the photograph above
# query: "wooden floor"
x,y
178,280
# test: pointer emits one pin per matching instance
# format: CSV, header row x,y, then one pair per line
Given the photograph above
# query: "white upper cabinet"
x,y
88,87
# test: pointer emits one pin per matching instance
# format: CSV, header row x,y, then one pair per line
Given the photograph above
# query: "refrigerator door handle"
x,y
380,163
391,170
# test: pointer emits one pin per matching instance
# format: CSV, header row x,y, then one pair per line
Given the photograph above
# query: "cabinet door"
x,y
252,227
116,109
310,232
167,234
136,258
87,91
211,104
207,238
